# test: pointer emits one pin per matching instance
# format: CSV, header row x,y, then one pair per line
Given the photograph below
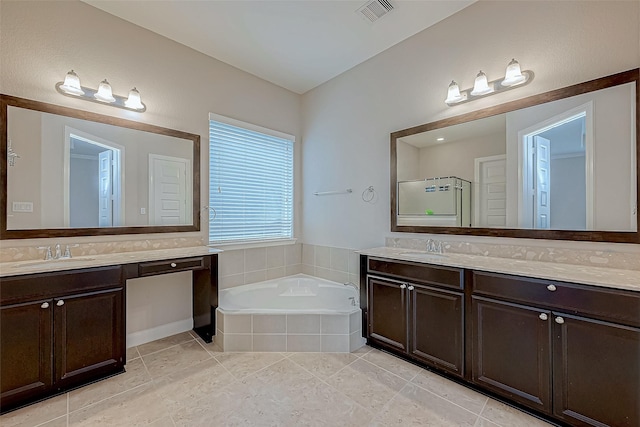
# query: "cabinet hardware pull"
x,y
45,305
403,286
173,264
552,288
543,316
60,303
559,320
411,288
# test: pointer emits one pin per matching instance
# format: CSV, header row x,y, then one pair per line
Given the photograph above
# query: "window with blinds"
x,y
250,182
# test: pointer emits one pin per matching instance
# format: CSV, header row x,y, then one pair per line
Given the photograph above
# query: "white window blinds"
x,y
250,182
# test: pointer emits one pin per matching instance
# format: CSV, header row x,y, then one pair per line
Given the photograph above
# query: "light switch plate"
x,y
22,207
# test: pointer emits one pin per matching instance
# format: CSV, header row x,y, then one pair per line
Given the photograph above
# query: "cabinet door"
x,y
387,313
25,351
596,370
437,327
512,351
89,336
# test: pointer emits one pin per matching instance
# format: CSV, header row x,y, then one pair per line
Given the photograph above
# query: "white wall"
x,y
41,41
347,121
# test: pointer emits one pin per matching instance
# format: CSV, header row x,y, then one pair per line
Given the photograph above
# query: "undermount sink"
x,y
66,261
424,255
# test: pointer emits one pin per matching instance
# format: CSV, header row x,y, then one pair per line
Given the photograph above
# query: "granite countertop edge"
x,y
588,275
19,268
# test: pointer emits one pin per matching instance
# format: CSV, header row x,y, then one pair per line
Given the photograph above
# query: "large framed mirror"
x,y
559,165
69,172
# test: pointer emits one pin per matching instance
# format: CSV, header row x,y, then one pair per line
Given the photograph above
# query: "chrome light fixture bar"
x,y
513,78
103,95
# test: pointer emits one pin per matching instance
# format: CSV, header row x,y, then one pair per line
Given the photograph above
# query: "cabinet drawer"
x,y
47,285
602,303
420,273
170,266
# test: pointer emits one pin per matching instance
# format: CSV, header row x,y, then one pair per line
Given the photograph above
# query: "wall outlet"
x,y
22,207
143,211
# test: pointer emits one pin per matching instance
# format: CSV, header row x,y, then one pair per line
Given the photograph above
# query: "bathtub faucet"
x,y
352,284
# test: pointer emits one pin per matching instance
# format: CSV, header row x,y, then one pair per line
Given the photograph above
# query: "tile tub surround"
x,y
180,381
336,264
243,266
335,333
627,257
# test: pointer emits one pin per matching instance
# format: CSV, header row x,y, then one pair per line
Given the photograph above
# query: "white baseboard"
x,y
162,331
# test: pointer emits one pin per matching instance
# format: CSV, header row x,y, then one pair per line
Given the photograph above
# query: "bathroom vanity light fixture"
x,y
482,87
103,95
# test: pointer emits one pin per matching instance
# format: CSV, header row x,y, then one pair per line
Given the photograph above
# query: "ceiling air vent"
x,y
376,9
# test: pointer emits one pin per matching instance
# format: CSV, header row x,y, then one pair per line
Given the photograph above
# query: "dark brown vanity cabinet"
x,y
59,330
570,351
417,311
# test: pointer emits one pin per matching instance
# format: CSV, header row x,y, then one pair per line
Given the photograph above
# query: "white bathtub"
x,y
295,313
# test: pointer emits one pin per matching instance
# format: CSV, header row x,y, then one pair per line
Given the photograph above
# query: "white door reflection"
x,y
93,193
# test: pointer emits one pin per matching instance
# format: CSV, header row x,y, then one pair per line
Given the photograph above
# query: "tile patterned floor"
x,y
181,381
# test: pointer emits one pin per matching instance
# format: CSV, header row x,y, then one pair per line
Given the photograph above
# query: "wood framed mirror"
x,y
68,172
561,165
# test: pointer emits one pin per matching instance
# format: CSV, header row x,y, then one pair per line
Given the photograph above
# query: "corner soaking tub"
x,y
293,314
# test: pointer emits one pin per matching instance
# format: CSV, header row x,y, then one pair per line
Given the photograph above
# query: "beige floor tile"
x,y
163,422
483,422
175,358
136,407
392,364
135,375
132,353
58,422
210,347
414,406
370,386
460,395
164,343
507,416
323,365
243,364
362,350
37,413
322,406
190,384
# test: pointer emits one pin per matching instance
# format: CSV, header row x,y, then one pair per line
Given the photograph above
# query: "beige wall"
x,y
41,41
347,120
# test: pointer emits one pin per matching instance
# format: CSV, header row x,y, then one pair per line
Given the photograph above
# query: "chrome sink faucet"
x,y
434,246
49,255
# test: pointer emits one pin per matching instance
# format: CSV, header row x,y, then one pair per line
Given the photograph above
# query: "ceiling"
x,y
296,44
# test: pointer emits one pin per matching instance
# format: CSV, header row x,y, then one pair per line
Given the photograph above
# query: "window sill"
x,y
253,244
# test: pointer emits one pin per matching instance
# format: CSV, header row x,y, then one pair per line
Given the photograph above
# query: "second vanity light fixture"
x,y
103,95
513,78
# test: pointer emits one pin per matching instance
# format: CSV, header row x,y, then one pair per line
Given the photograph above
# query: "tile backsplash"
x,y
25,253
627,259
337,264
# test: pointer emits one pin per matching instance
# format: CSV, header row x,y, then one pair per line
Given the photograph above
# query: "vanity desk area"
x,y
63,321
560,340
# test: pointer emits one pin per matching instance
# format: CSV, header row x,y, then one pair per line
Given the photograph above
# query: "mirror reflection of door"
x,y
557,156
94,182
490,199
168,190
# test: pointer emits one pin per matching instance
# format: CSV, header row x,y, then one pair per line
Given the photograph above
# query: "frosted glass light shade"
x,y
104,93
71,84
134,101
453,94
481,85
513,75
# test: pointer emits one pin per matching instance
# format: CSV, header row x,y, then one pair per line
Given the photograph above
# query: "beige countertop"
x,y
17,268
598,276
